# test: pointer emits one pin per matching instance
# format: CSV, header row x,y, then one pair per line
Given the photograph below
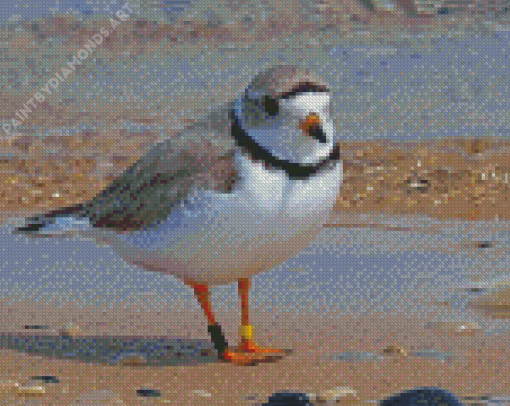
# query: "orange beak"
x,y
313,120
313,128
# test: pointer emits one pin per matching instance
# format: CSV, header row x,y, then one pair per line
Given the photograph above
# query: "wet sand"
x,y
476,365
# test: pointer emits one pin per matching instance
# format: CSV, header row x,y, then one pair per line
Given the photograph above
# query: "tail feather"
x,y
52,225
29,228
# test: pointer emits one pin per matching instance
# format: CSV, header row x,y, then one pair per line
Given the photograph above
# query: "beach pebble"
x,y
32,402
45,379
336,395
455,327
30,390
429,396
288,399
395,350
8,386
98,398
148,392
253,398
71,330
133,360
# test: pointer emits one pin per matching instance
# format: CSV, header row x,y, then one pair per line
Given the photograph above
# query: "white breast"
x,y
217,238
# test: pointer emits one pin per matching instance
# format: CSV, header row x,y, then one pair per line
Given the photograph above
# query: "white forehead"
x,y
306,102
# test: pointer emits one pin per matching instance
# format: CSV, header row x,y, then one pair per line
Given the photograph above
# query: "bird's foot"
x,y
250,354
238,356
249,346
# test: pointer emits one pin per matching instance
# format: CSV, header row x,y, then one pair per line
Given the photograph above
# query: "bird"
x,y
235,194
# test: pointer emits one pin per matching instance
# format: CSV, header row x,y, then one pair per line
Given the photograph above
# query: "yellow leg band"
x,y
247,332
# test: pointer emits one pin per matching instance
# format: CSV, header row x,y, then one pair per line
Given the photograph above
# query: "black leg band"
x,y
218,339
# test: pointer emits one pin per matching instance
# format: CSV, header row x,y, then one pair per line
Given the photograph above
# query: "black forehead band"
x,y
304,88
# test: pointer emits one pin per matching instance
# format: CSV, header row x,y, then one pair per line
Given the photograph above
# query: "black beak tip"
x,y
318,134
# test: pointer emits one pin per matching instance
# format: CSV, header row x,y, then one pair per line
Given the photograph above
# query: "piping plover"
x,y
233,195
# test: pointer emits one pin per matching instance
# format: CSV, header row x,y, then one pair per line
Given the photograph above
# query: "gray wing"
x,y
200,157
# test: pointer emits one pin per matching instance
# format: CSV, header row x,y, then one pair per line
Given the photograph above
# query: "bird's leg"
x,y
214,329
246,331
248,354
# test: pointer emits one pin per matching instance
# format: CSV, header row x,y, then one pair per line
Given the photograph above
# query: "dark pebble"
x,y
148,393
288,399
46,379
429,396
484,244
36,327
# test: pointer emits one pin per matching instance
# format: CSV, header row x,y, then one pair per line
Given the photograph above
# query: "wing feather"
x,y
201,157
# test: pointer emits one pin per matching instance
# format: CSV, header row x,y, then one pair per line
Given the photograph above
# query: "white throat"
x,y
283,139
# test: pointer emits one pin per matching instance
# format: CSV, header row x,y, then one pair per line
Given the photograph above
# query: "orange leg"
x,y
204,298
246,332
248,353
214,329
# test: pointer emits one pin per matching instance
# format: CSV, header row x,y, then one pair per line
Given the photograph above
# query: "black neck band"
x,y
293,170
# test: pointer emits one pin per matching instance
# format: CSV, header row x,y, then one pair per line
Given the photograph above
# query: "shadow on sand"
x,y
113,350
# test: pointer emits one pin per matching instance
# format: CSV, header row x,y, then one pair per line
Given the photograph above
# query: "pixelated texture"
x,y
319,187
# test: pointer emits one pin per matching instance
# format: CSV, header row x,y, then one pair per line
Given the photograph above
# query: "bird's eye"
x,y
271,106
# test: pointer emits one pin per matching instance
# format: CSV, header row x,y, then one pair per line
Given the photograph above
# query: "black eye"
x,y
271,106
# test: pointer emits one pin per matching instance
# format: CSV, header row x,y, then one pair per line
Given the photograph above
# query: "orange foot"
x,y
250,354
250,347
240,357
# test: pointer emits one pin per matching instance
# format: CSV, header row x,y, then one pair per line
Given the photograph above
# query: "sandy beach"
x,y
453,176
458,178
475,365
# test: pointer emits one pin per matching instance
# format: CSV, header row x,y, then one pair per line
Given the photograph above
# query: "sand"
x,y
406,179
477,366
452,179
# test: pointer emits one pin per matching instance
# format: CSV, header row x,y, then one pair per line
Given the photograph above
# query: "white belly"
x,y
219,238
